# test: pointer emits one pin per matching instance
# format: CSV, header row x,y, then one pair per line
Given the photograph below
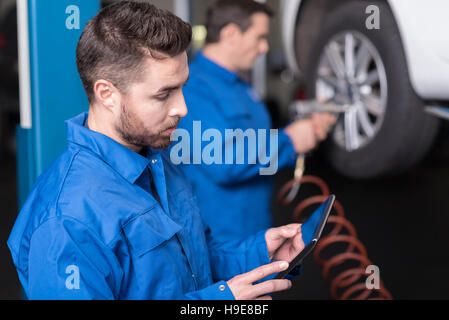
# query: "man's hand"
x,y
302,135
242,286
284,243
322,123
306,134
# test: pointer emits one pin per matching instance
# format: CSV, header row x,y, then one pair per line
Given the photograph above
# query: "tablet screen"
x,y
312,228
311,232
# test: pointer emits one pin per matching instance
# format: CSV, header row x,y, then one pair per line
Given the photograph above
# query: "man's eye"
x,y
163,97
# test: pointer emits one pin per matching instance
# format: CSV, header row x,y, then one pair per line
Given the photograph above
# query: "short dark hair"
x,y
115,43
223,12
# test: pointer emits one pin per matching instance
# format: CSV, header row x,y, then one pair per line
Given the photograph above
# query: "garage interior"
x,y
402,220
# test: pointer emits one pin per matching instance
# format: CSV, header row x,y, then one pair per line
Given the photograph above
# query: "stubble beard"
x,y
129,126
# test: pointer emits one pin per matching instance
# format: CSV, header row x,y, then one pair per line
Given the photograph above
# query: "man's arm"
x,y
235,257
67,262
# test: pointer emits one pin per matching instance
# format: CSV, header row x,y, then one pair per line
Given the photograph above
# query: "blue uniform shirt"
x,y
92,229
234,199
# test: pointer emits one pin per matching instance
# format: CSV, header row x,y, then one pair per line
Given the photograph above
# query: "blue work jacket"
x,y
235,200
92,229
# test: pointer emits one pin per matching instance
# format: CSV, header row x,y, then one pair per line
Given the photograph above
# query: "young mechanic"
x,y
112,218
238,201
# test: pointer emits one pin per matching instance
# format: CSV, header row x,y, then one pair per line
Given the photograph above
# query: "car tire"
x,y
404,135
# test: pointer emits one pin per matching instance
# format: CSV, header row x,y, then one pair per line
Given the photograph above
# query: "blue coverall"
x,y
92,229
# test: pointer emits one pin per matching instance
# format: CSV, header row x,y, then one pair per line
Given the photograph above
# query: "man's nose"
x,y
265,47
179,109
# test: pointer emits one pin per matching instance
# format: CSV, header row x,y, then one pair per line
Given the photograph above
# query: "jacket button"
x,y
222,287
154,161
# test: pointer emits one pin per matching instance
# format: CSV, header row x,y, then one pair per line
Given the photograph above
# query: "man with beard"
x,y
112,218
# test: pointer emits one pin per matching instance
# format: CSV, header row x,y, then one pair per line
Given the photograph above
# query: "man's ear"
x,y
230,32
106,94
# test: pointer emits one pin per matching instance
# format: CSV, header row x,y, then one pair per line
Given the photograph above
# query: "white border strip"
x,y
26,120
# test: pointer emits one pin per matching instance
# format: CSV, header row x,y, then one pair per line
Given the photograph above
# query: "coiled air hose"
x,y
349,283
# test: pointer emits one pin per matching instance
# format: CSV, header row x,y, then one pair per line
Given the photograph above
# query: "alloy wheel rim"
x,y
352,73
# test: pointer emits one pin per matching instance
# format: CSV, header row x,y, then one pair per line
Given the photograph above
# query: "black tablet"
x,y
311,233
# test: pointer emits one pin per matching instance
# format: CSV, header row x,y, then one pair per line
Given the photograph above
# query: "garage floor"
x,y
403,222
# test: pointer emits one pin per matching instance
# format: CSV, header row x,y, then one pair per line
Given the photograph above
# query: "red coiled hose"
x,y
351,283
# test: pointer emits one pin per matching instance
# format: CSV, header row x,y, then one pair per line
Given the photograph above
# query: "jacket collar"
x,y
126,162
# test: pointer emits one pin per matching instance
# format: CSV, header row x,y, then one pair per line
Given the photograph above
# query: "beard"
x,y
133,131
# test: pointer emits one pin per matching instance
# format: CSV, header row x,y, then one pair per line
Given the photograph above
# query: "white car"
x,y
388,60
